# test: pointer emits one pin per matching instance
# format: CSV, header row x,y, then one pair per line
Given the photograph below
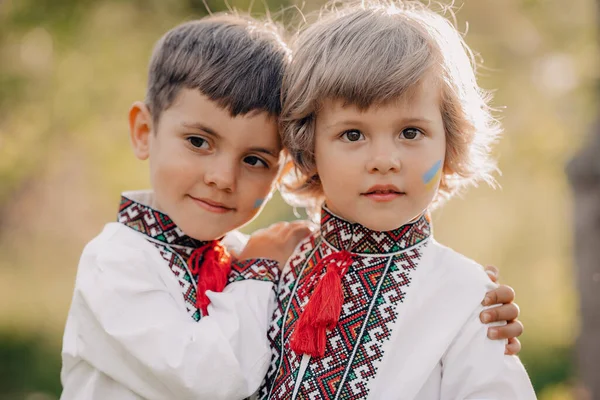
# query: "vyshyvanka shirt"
x,y
136,328
408,327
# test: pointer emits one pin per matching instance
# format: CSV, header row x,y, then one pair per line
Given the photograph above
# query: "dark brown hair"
x,y
235,61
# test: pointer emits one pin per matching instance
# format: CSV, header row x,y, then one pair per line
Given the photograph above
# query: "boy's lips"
x,y
383,193
212,206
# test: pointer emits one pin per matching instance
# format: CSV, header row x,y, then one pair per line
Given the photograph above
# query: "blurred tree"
x,y
584,174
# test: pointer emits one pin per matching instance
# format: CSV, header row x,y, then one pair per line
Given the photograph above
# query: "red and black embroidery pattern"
x,y
373,287
174,246
258,269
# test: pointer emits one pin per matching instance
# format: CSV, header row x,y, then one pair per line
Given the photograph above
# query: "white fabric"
x,y
128,335
235,241
439,348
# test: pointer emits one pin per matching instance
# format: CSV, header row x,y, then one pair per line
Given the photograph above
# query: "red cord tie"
x,y
324,307
212,264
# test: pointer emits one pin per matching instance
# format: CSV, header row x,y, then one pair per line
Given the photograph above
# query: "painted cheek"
x,y
432,175
258,203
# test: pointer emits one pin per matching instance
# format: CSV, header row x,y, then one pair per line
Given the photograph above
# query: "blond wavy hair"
x,y
372,53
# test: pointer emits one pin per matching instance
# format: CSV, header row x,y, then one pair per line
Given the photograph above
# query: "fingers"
x,y
296,231
506,312
284,226
512,330
305,222
287,234
501,295
278,227
493,273
300,233
300,223
234,254
295,228
513,347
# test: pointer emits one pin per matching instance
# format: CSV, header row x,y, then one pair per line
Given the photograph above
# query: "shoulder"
x,y
236,241
117,245
121,262
457,269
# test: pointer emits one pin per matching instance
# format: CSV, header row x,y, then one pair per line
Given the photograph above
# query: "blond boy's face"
x,y
211,172
381,167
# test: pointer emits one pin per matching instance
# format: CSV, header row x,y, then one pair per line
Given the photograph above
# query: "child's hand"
x,y
507,311
276,242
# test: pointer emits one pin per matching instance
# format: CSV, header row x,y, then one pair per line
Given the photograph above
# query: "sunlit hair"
x,y
372,53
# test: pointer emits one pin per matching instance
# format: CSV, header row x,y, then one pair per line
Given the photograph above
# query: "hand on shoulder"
x,y
277,242
503,296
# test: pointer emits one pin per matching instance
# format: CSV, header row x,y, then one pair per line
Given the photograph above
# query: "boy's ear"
x,y
140,129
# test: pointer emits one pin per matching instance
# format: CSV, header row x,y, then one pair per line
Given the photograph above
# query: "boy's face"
x,y
210,172
381,167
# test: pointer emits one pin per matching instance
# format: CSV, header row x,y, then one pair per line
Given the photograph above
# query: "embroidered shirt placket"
x,y
306,357
169,246
303,365
287,309
371,250
362,329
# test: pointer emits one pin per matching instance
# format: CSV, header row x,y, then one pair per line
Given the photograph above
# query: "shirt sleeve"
x,y
261,269
235,241
476,368
131,328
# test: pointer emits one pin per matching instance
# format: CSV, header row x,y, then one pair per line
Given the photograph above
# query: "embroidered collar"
x,y
345,235
135,213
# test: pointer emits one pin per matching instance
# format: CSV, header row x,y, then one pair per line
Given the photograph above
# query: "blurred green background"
x,y
69,69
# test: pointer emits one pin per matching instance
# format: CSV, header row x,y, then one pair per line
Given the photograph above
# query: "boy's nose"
x,y
222,178
384,163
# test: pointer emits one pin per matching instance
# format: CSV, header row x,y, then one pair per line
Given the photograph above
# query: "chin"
x,y
202,231
206,236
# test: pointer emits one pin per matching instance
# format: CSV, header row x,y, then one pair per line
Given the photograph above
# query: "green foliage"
x,y
29,365
547,366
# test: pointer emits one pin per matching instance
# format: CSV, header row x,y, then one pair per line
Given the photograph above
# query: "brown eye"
x,y
352,135
411,133
255,162
197,142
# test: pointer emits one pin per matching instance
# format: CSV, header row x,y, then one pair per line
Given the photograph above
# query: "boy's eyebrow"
x,y
412,120
196,125
265,151
417,119
199,126
343,122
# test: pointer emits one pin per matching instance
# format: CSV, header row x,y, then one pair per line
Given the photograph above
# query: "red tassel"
x,y
329,298
212,272
324,307
307,339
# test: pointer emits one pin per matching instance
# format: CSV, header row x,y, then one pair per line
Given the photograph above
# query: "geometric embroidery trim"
x,y
153,223
295,265
356,238
368,352
260,269
184,278
174,246
373,288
